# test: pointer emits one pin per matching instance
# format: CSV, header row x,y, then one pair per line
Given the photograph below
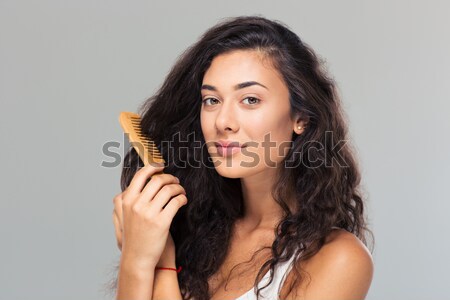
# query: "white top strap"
x,y
271,292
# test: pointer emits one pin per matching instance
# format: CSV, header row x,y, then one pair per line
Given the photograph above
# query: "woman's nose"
x,y
226,119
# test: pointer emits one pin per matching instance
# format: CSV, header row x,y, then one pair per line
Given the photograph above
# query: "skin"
x,y
136,199
342,269
142,229
236,115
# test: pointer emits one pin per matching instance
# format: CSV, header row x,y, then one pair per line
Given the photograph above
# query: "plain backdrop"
x,y
67,68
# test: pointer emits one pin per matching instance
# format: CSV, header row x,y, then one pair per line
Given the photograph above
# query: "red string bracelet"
x,y
173,269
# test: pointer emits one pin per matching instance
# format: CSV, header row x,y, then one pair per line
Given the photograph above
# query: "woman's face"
x,y
256,115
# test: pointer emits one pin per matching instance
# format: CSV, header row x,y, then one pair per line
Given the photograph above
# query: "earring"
x,y
299,127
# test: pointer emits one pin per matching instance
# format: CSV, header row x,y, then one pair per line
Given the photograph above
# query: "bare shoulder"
x,y
343,245
342,269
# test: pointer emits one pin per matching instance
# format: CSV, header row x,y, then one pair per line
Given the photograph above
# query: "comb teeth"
x,y
144,146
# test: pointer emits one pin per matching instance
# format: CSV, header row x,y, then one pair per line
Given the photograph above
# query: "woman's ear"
x,y
299,127
300,124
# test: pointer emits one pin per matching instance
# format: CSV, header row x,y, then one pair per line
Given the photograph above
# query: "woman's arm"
x,y
341,270
134,282
166,286
142,217
166,281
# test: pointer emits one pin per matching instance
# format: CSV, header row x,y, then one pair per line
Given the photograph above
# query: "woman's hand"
x,y
141,223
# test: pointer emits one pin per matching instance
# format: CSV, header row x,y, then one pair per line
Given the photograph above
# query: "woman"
x,y
260,181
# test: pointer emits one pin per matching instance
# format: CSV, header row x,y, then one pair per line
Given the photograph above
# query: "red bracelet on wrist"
x,y
173,269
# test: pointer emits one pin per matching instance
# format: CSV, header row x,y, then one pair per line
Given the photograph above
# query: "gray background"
x,y
67,68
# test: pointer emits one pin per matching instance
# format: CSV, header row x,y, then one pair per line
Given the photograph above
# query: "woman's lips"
x,y
227,151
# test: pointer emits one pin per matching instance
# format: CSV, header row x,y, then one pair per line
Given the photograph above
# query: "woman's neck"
x,y
261,211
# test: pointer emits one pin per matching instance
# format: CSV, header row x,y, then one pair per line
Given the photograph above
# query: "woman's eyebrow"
x,y
236,87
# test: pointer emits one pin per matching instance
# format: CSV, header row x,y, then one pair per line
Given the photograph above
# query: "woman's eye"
x,y
205,100
253,100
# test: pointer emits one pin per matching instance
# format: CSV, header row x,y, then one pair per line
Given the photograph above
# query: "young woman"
x,y
261,188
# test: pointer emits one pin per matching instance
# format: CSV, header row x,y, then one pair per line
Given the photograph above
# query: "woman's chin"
x,y
235,171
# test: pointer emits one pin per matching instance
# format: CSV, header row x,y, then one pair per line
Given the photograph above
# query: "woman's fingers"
x,y
155,185
171,209
118,230
117,216
140,178
144,211
118,209
164,196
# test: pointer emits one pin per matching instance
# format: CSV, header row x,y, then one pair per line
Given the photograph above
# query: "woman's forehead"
x,y
231,69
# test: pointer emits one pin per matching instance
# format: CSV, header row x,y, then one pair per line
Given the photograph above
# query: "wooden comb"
x,y
145,147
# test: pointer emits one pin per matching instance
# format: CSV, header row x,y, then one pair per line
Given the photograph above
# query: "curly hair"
x,y
324,181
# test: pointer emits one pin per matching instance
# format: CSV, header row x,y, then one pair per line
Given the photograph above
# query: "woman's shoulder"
x,y
342,268
341,248
340,240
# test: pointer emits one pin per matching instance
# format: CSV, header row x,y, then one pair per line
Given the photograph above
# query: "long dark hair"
x,y
327,193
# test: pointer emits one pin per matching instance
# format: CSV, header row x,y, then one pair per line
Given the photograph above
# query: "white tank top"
x,y
270,292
